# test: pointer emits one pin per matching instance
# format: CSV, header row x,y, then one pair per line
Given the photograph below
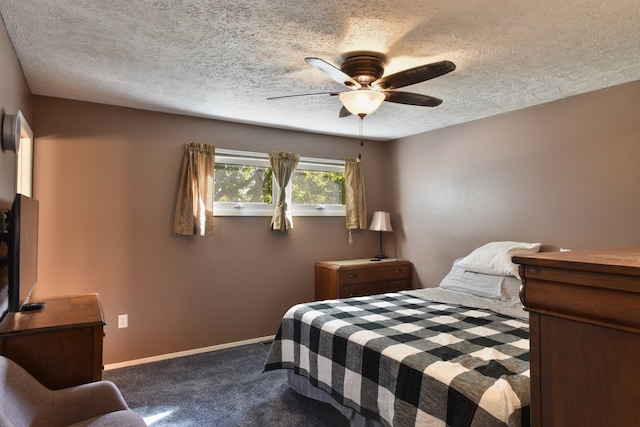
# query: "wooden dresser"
x,y
60,345
584,310
350,278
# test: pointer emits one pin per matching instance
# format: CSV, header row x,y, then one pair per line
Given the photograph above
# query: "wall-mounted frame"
x,y
17,136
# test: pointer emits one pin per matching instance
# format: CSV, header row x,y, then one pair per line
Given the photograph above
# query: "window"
x,y
243,186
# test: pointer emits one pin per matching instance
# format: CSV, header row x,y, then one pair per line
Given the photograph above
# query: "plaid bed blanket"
x,y
405,361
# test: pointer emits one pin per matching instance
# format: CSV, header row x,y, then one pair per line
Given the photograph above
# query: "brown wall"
x,y
566,174
107,180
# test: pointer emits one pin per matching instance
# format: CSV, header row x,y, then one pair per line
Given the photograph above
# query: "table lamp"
x,y
381,222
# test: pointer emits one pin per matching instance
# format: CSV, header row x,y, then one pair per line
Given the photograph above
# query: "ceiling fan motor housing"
x,y
365,68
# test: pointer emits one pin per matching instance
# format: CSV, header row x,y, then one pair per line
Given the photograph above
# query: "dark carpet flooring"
x,y
220,388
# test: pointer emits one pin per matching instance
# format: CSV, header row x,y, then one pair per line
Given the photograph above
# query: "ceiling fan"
x,y
362,72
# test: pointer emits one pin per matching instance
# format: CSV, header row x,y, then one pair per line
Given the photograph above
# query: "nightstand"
x,y
359,277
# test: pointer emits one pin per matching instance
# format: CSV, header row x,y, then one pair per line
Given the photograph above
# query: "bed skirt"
x,y
302,386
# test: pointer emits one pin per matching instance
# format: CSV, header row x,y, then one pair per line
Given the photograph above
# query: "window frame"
x,y
251,158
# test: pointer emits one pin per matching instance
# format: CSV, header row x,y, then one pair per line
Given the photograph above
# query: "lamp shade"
x,y
362,102
381,221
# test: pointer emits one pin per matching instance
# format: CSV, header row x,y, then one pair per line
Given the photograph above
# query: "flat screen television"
x,y
22,253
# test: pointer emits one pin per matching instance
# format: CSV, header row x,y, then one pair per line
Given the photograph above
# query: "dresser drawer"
x,y
392,272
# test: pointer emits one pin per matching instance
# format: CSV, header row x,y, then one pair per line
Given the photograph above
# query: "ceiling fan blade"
x,y
344,113
304,94
332,72
415,75
409,98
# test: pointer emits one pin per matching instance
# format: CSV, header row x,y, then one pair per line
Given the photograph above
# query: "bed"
x,y
454,355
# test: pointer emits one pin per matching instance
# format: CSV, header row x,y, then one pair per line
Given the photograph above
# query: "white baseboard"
x,y
186,353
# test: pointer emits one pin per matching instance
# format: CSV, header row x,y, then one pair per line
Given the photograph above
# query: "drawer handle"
x,y
399,271
352,276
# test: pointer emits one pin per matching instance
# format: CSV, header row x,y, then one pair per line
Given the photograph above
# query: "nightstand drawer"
x,y
360,275
371,288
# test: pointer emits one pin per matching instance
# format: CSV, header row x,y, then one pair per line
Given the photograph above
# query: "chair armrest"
x,y
85,401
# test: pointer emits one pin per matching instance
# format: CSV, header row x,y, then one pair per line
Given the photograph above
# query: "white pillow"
x,y
505,288
495,258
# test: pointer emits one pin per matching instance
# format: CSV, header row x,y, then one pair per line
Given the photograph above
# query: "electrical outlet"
x,y
123,321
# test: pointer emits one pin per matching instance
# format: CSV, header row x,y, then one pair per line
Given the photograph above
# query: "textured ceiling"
x,y
223,59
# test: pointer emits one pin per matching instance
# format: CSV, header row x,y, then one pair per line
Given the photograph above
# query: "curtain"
x,y
356,203
283,164
194,208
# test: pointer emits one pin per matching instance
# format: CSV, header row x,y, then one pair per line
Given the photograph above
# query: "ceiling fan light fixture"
x,y
362,102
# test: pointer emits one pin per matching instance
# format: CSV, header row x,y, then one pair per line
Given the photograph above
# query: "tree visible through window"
x,y
317,187
242,183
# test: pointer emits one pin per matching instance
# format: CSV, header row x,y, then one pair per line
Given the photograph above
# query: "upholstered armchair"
x,y
26,402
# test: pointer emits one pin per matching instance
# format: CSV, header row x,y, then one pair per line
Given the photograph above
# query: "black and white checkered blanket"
x,y
405,361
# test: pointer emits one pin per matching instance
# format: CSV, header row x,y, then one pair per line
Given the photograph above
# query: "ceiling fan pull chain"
x,y
361,141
